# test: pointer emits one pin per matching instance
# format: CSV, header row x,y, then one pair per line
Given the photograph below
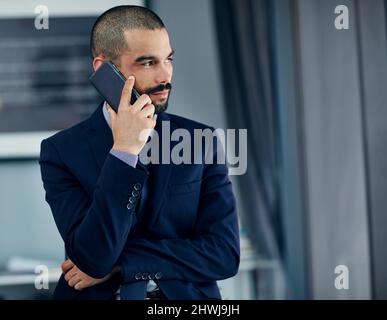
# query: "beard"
x,y
160,107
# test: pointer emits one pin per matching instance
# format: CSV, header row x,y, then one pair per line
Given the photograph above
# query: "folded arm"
x,y
212,254
94,231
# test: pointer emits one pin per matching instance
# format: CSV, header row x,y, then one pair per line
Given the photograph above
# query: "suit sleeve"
x,y
94,229
212,254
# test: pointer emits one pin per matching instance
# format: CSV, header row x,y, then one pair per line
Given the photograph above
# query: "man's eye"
x,y
147,64
169,60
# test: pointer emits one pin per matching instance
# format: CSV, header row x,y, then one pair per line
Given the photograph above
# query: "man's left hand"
x,y
78,279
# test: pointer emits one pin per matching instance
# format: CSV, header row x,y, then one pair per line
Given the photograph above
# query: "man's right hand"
x,y
132,124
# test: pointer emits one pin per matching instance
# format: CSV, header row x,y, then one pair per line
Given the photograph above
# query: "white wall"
x,y
27,227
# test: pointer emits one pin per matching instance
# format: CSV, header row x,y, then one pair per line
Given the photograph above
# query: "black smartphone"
x,y
109,82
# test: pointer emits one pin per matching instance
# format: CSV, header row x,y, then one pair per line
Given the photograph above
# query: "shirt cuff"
x,y
128,158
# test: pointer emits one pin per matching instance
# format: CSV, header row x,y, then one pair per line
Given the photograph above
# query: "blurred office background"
x,y
311,96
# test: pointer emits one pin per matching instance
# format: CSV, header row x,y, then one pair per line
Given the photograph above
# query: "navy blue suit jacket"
x,y
185,240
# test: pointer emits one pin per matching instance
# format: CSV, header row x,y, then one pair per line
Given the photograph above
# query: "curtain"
x,y
244,47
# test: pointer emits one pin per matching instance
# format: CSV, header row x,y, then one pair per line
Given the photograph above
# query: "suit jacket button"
x,y
129,206
144,276
132,200
151,276
137,186
135,193
158,275
137,276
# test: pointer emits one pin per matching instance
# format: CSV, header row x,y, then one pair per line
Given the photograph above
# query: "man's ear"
x,y
97,62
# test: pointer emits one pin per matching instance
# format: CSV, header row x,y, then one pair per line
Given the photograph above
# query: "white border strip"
x,y
25,9
22,144
24,279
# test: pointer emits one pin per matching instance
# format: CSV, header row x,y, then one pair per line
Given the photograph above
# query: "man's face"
x,y
149,59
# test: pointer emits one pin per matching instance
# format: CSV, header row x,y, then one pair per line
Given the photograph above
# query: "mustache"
x,y
159,88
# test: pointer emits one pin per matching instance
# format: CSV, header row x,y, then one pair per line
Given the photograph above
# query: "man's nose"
x,y
164,74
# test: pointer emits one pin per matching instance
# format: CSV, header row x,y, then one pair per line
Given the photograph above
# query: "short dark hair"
x,y
107,35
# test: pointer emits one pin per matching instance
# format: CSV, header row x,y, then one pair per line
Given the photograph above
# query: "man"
x,y
137,231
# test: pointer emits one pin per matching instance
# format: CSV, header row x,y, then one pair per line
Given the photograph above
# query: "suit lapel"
x,y
100,137
160,173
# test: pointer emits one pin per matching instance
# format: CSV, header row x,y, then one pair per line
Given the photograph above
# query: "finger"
x,y
80,285
83,284
141,102
147,131
71,274
152,122
112,113
148,111
126,93
74,280
67,265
